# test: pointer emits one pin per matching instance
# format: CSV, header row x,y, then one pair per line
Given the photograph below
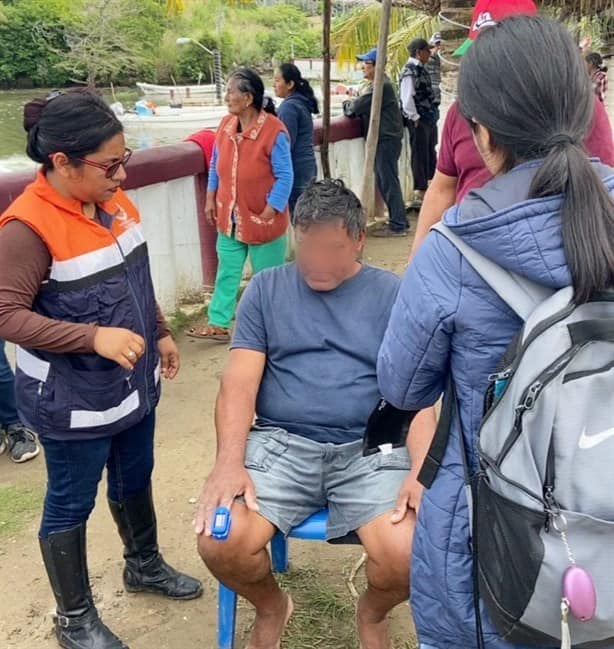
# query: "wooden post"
x,y
366,193
326,89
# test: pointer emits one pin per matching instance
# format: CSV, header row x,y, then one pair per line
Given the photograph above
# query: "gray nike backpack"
x,y
542,501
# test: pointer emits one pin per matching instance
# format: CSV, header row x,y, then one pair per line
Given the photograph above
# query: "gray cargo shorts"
x,y
295,477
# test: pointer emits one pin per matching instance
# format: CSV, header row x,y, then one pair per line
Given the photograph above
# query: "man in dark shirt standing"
x,y
389,146
421,113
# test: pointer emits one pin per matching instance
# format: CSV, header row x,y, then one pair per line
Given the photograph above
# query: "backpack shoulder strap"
x,y
520,294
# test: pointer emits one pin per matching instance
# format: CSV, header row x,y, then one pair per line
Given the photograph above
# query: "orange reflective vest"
x,y
100,274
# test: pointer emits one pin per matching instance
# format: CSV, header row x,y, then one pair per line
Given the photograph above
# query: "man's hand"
x,y
169,357
410,496
227,481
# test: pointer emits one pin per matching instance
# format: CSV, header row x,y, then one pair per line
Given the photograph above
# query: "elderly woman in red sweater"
x,y
250,180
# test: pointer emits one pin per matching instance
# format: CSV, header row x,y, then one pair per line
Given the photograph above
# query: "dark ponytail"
x,y
75,123
542,108
291,73
249,81
596,60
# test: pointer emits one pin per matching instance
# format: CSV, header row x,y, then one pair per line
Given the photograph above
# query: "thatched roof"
x,y
577,7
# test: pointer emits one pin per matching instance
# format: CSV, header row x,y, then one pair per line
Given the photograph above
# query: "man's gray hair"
x,y
326,201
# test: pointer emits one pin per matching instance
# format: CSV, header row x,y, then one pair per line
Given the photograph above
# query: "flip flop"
x,y
210,332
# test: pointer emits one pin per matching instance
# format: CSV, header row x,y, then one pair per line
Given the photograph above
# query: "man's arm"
x,y
234,411
234,414
362,105
440,196
421,433
407,98
235,406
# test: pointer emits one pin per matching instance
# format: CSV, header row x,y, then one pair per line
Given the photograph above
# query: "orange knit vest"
x,y
245,178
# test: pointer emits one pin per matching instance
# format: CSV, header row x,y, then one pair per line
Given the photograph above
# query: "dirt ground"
x,y
184,454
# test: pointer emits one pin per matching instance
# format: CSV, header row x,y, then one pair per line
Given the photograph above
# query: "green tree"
x,y
112,40
32,42
194,63
286,32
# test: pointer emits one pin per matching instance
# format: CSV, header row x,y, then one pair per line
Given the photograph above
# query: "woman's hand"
x,y
120,345
210,208
267,214
169,357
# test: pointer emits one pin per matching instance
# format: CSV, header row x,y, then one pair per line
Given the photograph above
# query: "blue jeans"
x,y
8,408
304,173
74,469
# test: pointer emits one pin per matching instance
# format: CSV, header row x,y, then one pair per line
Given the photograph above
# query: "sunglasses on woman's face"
x,y
109,169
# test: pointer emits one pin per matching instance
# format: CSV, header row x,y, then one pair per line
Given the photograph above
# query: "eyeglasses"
x,y
109,169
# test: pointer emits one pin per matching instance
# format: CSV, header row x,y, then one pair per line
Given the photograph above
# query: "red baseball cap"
x,y
486,13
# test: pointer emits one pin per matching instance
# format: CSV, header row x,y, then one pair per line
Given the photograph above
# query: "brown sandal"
x,y
210,332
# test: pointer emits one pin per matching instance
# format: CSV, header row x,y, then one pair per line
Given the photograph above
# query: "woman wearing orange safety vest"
x,y
77,299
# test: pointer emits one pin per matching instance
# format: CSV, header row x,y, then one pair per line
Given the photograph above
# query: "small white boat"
x,y
191,94
182,121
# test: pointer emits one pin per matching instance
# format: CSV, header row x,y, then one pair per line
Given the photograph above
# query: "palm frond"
x,y
417,26
355,33
358,33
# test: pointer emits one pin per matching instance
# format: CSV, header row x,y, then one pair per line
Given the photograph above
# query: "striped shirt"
x,y
600,83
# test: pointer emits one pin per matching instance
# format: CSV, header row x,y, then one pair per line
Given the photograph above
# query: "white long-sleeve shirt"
x,y
408,92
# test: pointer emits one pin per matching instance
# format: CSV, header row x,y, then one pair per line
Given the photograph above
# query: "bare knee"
x,y
389,573
244,551
233,554
389,550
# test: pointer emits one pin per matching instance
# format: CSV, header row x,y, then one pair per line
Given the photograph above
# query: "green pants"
x,y
232,255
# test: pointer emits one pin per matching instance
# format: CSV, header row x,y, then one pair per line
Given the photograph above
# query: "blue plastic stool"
x,y
312,529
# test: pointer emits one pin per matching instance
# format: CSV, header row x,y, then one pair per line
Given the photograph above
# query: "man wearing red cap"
x,y
460,167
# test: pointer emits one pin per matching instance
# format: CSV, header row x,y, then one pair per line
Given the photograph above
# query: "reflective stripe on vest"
x,y
98,261
94,418
30,365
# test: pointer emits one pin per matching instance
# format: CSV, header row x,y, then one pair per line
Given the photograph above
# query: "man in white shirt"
x,y
420,113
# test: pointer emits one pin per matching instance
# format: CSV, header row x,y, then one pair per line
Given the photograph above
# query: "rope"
x,y
452,22
448,62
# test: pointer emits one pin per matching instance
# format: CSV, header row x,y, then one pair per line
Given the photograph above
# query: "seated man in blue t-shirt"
x,y
303,361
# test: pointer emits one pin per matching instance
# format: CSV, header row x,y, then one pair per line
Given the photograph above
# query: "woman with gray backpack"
x,y
508,309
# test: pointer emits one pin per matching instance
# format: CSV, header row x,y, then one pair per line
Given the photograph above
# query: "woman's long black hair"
x,y
542,107
596,60
76,123
249,81
290,73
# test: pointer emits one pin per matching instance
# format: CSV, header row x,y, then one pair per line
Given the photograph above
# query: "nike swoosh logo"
x,y
590,441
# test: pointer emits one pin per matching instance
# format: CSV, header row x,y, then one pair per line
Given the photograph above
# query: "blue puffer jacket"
x,y
447,318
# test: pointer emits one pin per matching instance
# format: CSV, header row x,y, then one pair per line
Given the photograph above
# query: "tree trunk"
x,y
326,89
366,193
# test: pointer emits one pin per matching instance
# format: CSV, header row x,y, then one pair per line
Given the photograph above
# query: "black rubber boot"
x,y
77,625
146,570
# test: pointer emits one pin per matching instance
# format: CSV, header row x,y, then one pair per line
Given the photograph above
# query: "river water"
x,y
13,137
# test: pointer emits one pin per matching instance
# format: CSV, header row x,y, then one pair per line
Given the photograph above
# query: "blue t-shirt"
x,y
320,377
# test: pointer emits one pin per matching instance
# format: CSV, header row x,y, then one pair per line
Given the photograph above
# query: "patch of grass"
x,y
17,507
180,321
322,618
324,613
